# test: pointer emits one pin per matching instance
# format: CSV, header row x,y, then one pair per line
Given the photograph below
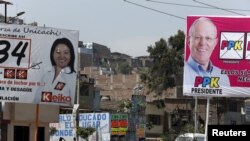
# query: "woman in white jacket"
x,y
60,79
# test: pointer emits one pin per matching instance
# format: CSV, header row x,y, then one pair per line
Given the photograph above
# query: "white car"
x,y
191,137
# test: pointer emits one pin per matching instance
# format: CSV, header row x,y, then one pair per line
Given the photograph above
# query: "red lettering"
x,y
60,98
46,96
198,81
224,44
248,45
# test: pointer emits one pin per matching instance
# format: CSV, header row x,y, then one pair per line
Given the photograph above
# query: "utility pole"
x,y
137,113
5,2
218,111
195,114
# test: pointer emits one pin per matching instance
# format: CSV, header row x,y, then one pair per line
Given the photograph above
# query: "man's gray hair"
x,y
191,29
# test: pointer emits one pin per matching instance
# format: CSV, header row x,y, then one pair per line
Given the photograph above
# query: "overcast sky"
x,y
124,26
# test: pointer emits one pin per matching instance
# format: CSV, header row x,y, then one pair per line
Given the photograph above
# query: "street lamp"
x,y
5,2
13,18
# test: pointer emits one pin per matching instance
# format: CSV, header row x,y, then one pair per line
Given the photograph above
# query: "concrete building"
x,y
20,121
170,110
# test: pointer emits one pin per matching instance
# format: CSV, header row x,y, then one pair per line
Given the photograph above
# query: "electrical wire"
x,y
218,7
155,10
169,14
188,5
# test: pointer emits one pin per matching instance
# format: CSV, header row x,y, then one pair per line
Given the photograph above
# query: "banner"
x,y
217,56
95,120
38,64
119,124
66,128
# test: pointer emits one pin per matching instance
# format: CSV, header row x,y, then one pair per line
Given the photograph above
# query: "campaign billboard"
x,y
38,64
217,56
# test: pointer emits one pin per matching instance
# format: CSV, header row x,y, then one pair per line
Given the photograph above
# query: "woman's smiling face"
x,y
61,56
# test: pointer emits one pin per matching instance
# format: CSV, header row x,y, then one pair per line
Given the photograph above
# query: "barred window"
x,y
155,119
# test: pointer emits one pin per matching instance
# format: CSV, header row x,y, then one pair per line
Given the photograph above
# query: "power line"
x,y
218,7
188,5
155,10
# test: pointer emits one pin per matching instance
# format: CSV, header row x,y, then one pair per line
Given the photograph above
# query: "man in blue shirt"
x,y
198,69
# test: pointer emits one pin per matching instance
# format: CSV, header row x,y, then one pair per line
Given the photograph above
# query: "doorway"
x,y
41,134
21,133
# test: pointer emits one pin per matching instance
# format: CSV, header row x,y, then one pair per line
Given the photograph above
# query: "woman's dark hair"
x,y
66,42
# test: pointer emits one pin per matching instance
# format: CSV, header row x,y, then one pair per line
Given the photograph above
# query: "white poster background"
x,y
34,60
231,52
65,128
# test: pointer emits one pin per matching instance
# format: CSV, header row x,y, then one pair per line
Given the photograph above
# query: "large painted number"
x,y
4,51
22,52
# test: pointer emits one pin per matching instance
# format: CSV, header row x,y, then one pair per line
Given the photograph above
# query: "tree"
x,y
167,63
85,132
125,68
125,106
52,131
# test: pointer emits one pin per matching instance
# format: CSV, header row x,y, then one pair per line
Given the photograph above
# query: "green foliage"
x,y
85,132
125,68
149,125
169,136
52,131
177,41
125,106
189,128
167,63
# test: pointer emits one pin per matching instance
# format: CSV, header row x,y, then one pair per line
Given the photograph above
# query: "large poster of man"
x,y
216,61
38,64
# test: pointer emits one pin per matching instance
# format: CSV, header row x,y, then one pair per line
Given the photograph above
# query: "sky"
x,y
127,27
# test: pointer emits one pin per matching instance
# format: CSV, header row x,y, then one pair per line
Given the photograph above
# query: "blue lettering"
x,y
94,124
99,116
64,133
104,117
64,118
89,117
86,117
81,117
68,125
86,124
97,124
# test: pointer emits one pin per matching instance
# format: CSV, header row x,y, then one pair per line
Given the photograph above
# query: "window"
x,y
84,90
155,119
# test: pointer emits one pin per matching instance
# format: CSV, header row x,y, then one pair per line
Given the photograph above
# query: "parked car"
x,y
191,137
